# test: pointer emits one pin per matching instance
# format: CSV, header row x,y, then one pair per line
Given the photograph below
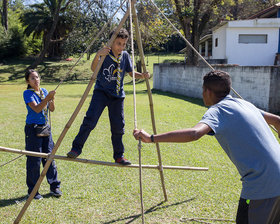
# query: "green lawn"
x,y
101,194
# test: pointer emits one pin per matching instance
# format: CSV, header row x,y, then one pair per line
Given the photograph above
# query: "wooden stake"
x,y
94,162
68,125
139,43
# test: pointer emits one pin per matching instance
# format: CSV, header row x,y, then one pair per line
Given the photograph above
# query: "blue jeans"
x,y
42,145
99,101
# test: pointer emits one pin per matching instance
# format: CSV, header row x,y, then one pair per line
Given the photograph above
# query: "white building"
x,y
253,42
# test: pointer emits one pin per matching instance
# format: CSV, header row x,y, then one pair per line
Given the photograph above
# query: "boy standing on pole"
x,y
108,92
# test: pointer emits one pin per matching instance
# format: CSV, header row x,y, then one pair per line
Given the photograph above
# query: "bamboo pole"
x,y
68,125
139,42
94,162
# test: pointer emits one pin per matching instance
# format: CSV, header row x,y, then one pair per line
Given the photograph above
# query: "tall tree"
x,y
5,14
155,31
55,12
194,16
39,20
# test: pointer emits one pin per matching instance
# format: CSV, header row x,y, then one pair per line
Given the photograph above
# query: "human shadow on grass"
x,y
19,200
157,207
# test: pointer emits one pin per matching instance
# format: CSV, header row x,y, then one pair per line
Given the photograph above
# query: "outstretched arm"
x,y
184,135
139,75
274,120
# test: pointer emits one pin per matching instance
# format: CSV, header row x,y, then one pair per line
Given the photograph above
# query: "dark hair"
x,y
27,73
123,33
219,82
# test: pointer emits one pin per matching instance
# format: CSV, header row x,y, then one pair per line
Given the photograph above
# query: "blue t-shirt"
x,y
245,136
33,117
107,76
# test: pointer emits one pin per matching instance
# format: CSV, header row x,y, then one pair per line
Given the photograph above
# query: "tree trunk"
x,y
48,38
5,15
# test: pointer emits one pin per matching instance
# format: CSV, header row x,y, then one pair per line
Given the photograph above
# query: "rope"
x,y
134,107
11,161
89,46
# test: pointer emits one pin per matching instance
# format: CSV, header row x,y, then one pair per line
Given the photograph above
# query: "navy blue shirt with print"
x,y
107,76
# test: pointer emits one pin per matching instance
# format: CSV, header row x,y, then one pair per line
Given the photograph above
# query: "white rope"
x,y
135,115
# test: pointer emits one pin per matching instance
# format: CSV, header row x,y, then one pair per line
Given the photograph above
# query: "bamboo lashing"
x,y
134,109
94,162
69,123
141,52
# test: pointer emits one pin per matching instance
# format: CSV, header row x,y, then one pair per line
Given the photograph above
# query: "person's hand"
x,y
146,75
50,95
141,134
104,51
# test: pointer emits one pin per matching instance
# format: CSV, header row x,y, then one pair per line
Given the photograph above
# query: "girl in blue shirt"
x,y
38,101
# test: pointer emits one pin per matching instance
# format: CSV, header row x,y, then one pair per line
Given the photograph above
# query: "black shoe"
x,y
123,161
73,154
56,192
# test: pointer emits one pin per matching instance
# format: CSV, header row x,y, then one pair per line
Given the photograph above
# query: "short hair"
x,y
218,82
123,33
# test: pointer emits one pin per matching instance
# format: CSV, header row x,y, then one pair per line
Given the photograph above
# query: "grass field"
x,y
100,194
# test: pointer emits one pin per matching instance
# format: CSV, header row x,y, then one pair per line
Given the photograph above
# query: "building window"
x,y
216,42
252,38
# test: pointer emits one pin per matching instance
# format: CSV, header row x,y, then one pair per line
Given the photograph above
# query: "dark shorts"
x,y
265,211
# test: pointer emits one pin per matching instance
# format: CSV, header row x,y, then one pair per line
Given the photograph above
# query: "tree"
x,y
55,14
194,17
89,16
39,21
5,14
155,31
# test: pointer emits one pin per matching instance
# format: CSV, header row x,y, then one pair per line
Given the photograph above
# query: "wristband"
x,y
152,138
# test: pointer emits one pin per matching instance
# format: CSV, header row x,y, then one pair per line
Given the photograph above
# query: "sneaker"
x,y
56,192
123,161
73,154
37,196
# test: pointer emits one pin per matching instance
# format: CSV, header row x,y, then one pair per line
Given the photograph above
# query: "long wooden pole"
x,y
94,162
139,43
68,125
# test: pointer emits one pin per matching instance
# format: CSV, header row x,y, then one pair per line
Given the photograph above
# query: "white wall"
x,y
251,54
259,85
219,52
248,54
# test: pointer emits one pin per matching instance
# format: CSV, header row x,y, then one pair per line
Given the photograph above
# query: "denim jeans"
x,y
99,101
43,145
